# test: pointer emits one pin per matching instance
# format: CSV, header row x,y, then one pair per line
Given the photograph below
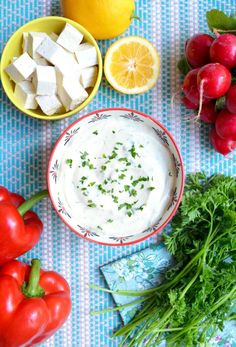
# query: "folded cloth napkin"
x,y
138,271
144,270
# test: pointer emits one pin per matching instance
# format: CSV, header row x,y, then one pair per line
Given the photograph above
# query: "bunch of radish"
x,y
209,83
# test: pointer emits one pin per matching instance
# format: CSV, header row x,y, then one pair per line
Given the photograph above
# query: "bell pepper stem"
x,y
28,204
32,289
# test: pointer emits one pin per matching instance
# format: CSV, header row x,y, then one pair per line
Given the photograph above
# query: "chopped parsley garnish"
x,y
113,155
140,146
133,152
126,187
133,192
83,178
113,132
125,205
119,143
69,162
95,132
101,189
121,177
115,199
83,155
104,156
91,204
98,226
140,179
151,188
105,181
123,159
103,167
91,184
83,189
109,220
91,166
139,166
141,207
142,186
129,213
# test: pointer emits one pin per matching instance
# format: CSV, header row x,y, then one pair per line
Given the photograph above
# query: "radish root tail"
x,y
200,100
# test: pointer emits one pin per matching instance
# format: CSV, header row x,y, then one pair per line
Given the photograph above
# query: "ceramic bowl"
x,y
13,48
64,145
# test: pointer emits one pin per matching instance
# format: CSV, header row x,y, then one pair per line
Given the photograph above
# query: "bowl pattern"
x,y
74,130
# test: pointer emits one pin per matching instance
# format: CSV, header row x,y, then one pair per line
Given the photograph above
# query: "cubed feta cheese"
x,y
71,93
55,54
25,93
88,76
25,44
44,80
34,40
41,61
21,69
49,104
70,38
86,55
53,36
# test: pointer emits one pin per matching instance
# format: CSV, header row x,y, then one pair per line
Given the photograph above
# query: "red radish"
x,y
208,113
223,50
221,145
231,99
197,49
213,80
188,104
226,125
190,87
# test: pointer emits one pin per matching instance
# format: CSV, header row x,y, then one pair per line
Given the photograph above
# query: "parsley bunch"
x,y
200,290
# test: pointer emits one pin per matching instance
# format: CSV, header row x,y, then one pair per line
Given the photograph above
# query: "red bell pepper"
x,y
20,228
33,303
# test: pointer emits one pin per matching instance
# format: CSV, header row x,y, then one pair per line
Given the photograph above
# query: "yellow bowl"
x,y
13,48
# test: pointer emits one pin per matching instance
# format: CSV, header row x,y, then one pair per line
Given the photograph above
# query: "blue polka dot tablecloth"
x,y
26,144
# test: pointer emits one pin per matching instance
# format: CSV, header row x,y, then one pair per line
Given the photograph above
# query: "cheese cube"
x,y
53,36
34,40
41,61
44,80
25,93
25,44
86,55
70,38
21,69
71,93
49,104
55,54
89,76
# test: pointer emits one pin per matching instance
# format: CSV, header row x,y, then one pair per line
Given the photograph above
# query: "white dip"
x,y
114,177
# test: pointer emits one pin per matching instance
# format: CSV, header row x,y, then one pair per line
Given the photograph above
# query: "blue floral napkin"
x,y
144,270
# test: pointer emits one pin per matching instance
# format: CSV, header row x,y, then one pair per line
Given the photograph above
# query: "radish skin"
x,y
214,79
231,99
188,104
223,50
197,49
221,145
190,87
226,125
208,113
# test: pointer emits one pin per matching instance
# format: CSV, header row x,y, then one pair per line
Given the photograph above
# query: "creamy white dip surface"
x,y
116,177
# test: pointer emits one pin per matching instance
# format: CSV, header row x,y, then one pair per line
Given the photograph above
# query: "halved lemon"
x,y
132,65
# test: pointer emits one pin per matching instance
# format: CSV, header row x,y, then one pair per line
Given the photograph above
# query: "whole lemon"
x,y
104,19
